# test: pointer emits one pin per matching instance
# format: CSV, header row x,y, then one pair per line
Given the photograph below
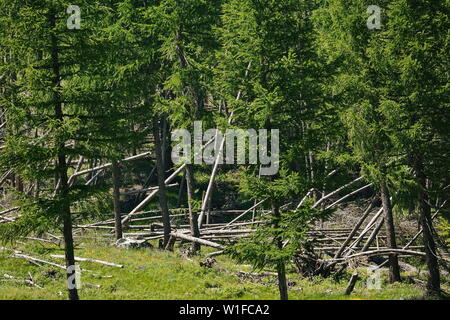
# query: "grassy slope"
x,y
153,274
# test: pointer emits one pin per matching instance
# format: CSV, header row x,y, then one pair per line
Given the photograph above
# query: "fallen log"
x,y
355,230
348,195
363,233
197,240
152,195
221,232
107,165
9,210
29,281
380,252
215,253
89,260
244,213
125,193
336,191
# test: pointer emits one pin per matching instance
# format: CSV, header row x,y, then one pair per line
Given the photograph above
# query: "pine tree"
x,y
185,28
347,41
415,103
268,60
50,109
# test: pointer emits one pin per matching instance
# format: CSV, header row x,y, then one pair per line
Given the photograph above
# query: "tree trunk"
x,y
373,236
61,167
192,215
116,199
69,250
434,279
19,184
281,268
282,282
394,269
181,190
162,192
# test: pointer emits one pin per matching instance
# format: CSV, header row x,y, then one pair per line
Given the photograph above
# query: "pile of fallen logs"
x,y
327,247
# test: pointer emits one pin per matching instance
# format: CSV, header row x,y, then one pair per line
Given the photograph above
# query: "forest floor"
x,y
152,274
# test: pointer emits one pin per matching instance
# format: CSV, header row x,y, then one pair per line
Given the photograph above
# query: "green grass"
x,y
151,274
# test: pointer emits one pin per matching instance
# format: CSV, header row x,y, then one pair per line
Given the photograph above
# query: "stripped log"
x,y
30,258
349,195
107,165
183,236
304,198
358,248
5,176
244,213
366,229
19,254
40,239
355,230
380,252
151,195
89,260
29,281
146,190
372,236
336,191
215,253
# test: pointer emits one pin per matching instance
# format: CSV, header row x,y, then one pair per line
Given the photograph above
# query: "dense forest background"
x,y
90,95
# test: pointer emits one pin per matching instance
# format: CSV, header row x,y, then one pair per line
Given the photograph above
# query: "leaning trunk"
x,y
394,269
161,178
192,214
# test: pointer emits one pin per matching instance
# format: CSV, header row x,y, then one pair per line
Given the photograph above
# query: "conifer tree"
x,y
50,109
185,29
268,57
343,33
414,50
395,101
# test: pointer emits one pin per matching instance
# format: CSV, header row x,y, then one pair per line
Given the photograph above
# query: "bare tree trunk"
x,y
355,229
434,278
394,269
162,192
372,236
192,215
181,190
116,199
281,268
